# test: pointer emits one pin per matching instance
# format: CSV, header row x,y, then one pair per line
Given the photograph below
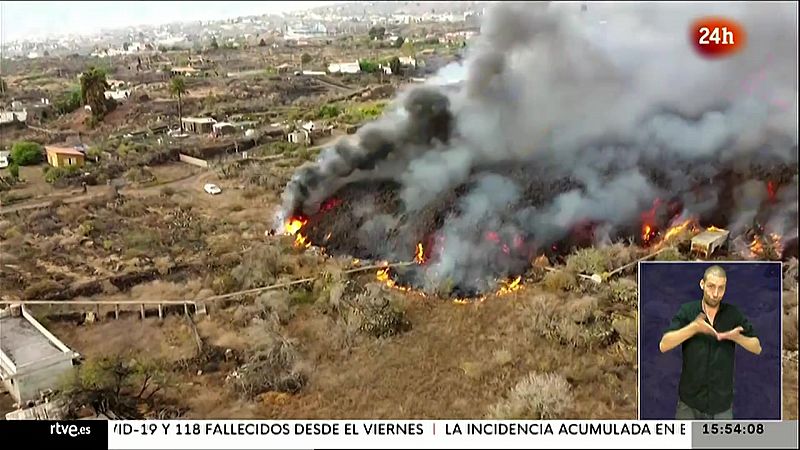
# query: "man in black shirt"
x,y
708,332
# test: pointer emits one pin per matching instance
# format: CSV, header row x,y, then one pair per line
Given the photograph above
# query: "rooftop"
x,y
22,343
63,151
199,120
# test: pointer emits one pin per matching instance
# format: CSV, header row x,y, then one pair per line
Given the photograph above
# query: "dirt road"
x,y
98,191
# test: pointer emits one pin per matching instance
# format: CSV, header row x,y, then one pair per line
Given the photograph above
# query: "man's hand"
x,y
700,325
732,335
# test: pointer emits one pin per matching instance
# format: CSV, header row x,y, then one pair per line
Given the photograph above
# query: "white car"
x,y
212,189
3,162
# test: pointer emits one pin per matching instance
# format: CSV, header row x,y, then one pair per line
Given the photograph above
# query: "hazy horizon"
x,y
39,20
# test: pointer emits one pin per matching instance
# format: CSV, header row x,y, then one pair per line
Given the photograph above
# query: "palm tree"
x,y
177,88
93,91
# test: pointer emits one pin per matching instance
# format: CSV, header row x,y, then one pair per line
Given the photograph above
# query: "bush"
x,y
377,315
167,191
25,153
275,304
623,291
537,396
790,330
42,290
275,366
13,170
670,254
559,280
54,174
588,260
328,111
260,267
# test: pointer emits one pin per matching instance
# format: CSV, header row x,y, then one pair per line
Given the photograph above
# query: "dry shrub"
x,y
623,291
537,396
139,175
593,334
670,254
275,304
789,300
163,264
624,353
275,365
790,274
790,330
559,280
589,260
165,290
626,327
11,233
576,324
261,267
619,254
43,289
581,310
223,284
72,213
373,312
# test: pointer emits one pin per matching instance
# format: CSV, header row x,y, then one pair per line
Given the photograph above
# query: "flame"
x,y
765,246
327,236
383,277
420,256
712,228
676,230
294,224
511,286
648,233
301,241
355,262
293,227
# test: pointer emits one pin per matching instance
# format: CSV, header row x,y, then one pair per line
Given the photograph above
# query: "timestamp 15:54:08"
x,y
731,428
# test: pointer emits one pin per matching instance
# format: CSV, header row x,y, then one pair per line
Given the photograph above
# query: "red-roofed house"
x,y
64,156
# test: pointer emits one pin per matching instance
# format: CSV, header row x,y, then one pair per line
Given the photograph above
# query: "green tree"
x,y
214,43
13,170
368,66
377,33
177,88
399,42
93,88
3,86
407,49
262,43
69,101
114,384
394,64
305,59
26,153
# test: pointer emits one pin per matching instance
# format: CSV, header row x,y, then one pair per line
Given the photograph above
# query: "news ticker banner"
x,y
308,434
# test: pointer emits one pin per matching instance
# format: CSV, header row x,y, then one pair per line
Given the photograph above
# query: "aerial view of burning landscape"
x,y
450,228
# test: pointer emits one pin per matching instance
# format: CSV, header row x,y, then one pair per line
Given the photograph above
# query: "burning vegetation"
x,y
477,180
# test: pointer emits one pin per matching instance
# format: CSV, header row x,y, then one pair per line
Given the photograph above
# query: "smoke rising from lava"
x,y
611,104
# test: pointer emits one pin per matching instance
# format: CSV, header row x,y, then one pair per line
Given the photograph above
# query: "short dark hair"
x,y
716,271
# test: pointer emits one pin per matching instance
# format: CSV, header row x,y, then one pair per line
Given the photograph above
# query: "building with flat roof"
x,y
32,360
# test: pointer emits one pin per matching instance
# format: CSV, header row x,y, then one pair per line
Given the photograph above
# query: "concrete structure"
x,y
299,137
198,124
353,67
32,360
709,241
64,156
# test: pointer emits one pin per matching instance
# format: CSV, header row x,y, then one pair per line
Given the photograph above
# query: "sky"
x,y
20,20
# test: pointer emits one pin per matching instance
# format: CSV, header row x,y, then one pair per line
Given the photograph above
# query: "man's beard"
x,y
711,301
